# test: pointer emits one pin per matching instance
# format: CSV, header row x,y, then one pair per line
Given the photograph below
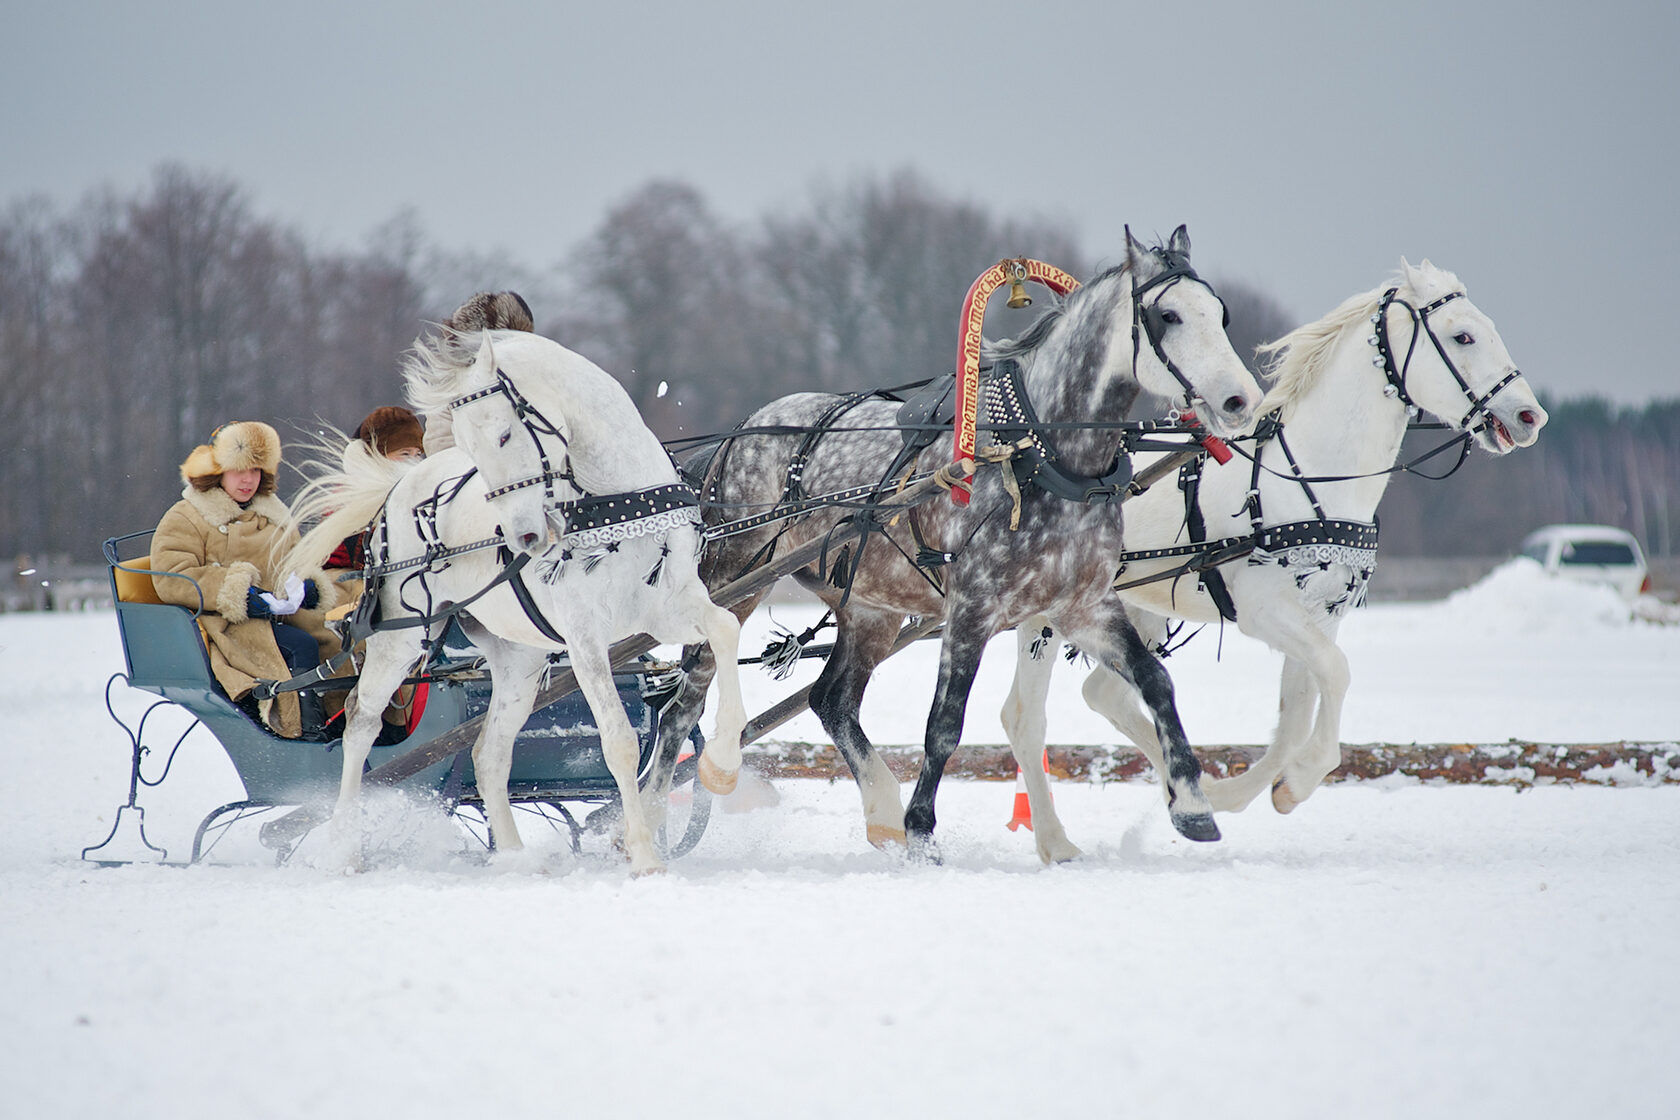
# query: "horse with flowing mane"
x,y
1296,519
556,522
1024,545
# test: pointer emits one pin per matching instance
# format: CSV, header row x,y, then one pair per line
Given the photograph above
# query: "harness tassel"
x,y
658,566
783,653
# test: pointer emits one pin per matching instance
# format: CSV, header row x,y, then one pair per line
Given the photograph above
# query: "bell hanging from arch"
x,y
1018,297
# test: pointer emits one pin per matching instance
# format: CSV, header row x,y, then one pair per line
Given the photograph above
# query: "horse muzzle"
x,y
1506,428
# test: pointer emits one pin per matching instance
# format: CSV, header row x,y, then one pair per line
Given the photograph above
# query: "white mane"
x,y
347,486
1295,362
432,371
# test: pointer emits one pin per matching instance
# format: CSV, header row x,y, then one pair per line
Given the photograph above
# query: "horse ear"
x,y
486,353
1179,242
1136,252
1414,276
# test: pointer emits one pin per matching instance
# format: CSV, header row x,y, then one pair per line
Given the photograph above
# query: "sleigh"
x,y
558,765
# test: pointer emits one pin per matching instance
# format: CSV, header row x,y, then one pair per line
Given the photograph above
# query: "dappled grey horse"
x,y
1025,545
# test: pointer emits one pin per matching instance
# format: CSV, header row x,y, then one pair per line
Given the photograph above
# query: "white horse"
x,y
540,434
1344,389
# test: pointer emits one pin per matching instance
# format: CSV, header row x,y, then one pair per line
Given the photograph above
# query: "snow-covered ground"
x,y
1390,949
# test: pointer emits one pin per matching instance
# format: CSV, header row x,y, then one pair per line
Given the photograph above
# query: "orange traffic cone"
x,y
1023,806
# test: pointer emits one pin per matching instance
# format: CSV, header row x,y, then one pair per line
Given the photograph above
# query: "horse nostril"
x,y
1235,406
528,540
1527,417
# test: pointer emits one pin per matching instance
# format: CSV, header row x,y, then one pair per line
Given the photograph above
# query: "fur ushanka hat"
x,y
491,311
391,428
238,446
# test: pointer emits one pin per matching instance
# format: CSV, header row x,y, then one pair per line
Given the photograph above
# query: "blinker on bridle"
x,y
1396,375
1151,319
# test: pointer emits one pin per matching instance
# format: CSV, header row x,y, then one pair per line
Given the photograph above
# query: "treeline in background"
x,y
132,325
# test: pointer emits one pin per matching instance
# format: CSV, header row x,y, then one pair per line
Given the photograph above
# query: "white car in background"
x,y
1600,554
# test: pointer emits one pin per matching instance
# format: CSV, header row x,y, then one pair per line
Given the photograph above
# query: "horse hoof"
x,y
884,837
1283,799
715,779
923,849
1196,826
647,872
1059,855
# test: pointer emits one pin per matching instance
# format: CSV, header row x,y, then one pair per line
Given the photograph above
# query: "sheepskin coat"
x,y
227,550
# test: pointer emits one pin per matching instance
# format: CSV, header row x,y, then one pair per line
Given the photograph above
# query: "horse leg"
x,y
1321,753
1314,669
959,659
1112,696
386,663
515,675
677,719
720,762
865,638
619,745
1024,725
1296,700
1115,642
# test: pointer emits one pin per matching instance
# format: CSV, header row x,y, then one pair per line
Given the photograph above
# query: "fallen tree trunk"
x,y
1512,763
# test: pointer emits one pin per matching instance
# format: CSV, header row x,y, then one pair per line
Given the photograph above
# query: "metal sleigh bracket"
x,y
126,842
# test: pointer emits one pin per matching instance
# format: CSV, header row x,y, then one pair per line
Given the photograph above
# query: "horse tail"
x,y
341,498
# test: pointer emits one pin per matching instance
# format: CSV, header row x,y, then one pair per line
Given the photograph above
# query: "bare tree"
x,y
130,326
655,260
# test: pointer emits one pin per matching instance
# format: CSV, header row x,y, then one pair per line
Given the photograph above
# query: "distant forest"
x,y
131,326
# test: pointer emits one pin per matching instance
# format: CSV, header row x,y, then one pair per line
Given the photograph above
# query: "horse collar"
x,y
1011,410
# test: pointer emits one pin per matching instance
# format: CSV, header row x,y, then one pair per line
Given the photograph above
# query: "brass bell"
x,y
1018,297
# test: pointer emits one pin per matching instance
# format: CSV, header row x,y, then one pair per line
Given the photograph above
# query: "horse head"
x,y
505,437
1450,361
1179,345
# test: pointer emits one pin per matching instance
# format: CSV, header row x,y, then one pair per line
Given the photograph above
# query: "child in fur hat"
x,y
394,432
223,535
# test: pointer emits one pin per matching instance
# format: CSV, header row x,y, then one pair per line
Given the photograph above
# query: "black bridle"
x,y
1149,321
537,425
1396,373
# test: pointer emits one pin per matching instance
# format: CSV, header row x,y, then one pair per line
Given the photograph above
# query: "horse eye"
x,y
502,440
1170,317
1464,338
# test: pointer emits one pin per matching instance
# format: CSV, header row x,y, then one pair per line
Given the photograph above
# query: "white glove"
x,y
292,601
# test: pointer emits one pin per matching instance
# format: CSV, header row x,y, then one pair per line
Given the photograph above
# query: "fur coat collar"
x,y
218,508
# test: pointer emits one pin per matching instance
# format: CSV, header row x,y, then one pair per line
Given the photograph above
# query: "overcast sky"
x,y
1528,145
